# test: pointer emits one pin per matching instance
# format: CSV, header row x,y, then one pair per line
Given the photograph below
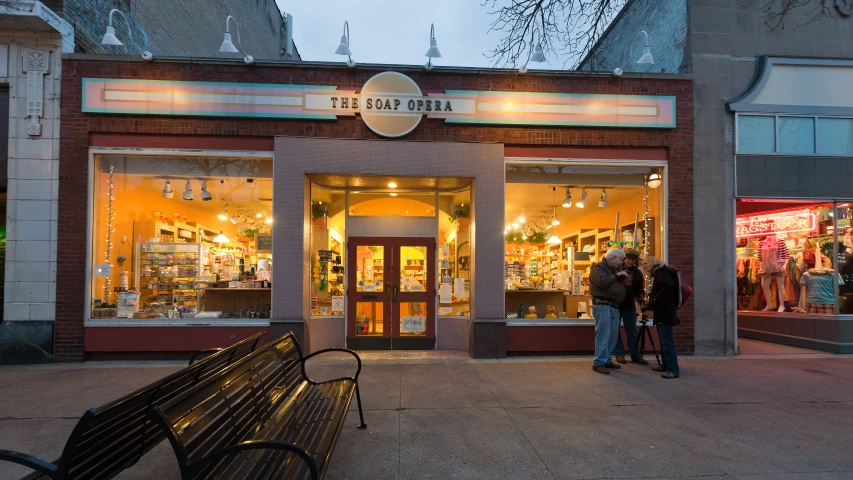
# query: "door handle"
x,y
394,291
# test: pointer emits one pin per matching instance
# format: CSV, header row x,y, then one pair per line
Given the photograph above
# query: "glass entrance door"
x,y
391,293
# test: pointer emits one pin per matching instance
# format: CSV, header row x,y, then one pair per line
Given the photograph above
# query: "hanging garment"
x,y
772,256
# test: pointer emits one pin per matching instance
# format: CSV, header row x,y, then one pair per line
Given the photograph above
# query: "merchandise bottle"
x,y
521,311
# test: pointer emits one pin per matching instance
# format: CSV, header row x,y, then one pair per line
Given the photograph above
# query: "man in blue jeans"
x,y
608,290
628,310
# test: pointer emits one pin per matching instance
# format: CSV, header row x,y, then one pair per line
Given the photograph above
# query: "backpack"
x,y
683,291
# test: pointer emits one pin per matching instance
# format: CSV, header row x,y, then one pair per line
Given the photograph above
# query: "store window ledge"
x,y
320,317
559,322
178,322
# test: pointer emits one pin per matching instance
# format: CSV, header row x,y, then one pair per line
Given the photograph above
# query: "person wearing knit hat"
x,y
628,309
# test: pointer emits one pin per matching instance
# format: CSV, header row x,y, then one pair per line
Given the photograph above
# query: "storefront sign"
x,y
413,324
778,223
390,103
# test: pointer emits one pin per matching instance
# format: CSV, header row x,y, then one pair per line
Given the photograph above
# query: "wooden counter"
x,y
233,300
538,298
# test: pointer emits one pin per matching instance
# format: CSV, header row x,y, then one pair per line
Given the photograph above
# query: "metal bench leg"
x,y
360,414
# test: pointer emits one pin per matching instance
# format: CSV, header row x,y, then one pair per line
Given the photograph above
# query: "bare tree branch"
x,y
569,29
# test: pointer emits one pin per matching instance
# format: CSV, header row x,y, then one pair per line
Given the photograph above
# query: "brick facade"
x,y
78,127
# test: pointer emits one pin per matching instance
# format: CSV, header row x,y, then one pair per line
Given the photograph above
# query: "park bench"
x,y
111,438
261,417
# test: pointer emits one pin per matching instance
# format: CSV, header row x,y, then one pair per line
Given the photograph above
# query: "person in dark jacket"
x,y
607,291
662,297
628,309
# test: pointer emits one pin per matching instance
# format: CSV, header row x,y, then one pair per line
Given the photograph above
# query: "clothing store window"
x,y
785,257
844,258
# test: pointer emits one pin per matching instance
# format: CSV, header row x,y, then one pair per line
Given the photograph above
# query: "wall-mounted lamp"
x,y
110,38
228,46
433,49
645,58
343,48
536,55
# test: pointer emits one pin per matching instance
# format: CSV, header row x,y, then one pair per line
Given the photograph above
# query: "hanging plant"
x,y
463,211
517,238
319,210
250,232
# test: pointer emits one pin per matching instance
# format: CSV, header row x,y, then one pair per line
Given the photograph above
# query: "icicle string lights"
x,y
646,229
109,251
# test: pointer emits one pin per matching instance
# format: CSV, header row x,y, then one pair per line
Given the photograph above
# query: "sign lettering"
x,y
774,224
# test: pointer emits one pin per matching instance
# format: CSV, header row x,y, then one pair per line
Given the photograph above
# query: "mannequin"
x,y
772,257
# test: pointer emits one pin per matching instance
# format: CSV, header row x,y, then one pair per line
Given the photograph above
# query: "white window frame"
x,y
156,322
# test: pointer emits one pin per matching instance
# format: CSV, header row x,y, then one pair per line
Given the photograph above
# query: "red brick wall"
x,y
77,128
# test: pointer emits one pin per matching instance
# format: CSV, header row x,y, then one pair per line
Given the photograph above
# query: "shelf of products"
x,y
167,277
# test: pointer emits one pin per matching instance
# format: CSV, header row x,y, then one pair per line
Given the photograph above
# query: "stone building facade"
x,y
719,43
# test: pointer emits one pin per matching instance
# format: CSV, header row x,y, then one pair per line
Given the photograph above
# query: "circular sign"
x,y
385,104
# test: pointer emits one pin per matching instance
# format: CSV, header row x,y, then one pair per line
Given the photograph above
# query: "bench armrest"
x,y
345,350
28,461
259,445
202,352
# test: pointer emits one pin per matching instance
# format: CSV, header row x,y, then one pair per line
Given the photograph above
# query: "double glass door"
x,y
391,293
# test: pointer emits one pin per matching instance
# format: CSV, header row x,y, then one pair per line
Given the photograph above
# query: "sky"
x,y
395,31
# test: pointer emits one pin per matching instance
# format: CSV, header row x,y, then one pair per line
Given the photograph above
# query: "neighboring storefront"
x,y
203,202
794,163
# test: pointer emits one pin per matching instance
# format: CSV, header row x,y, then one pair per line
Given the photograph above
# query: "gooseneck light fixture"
x,y
167,190
110,38
228,46
567,202
536,55
646,58
343,48
433,49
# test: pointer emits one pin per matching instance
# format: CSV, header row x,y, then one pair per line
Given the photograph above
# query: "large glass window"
x,y
786,260
796,135
835,136
560,220
328,257
454,253
756,134
181,237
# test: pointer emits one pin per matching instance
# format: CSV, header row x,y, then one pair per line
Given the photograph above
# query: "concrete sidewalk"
x,y
444,415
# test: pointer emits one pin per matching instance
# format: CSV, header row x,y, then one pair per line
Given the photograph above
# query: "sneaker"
x,y
669,375
621,359
600,369
612,365
640,360
659,368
